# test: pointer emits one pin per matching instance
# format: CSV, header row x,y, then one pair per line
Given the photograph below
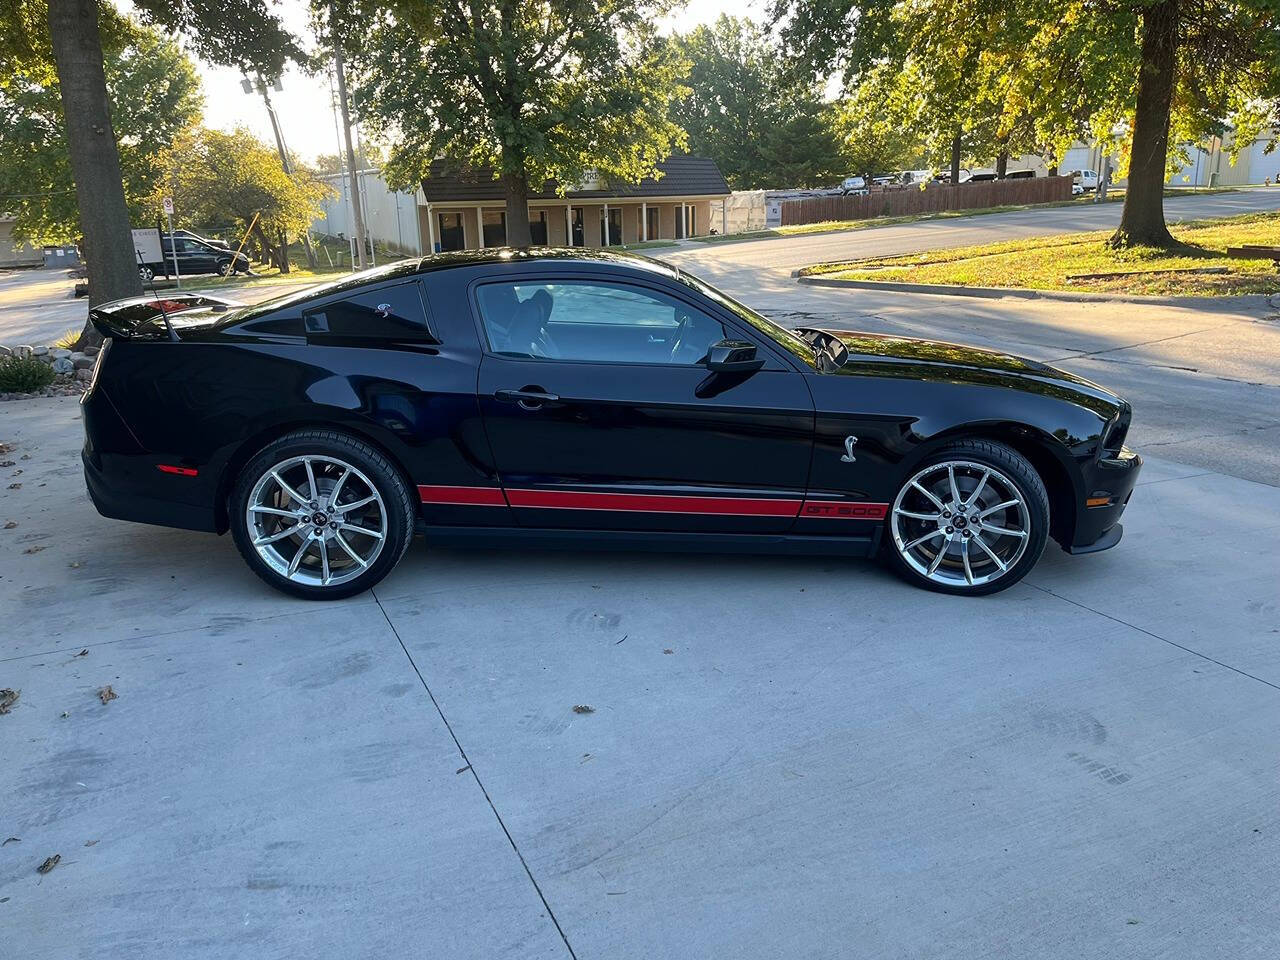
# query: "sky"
x,y
304,105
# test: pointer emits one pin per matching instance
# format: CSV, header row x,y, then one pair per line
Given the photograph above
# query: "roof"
x,y
683,175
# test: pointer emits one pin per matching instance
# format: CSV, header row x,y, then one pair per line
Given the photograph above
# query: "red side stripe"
x,y
653,503
462,496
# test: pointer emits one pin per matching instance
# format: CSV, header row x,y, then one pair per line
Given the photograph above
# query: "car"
x,y
854,187
570,397
195,256
211,241
1083,181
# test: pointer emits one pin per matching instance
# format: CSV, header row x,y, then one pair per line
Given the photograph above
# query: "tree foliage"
x,y
532,89
154,94
879,128
220,179
1138,74
764,126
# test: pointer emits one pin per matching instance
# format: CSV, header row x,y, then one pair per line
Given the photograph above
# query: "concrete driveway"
x,y
783,757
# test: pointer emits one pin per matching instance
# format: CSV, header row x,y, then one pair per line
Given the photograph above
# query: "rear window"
x,y
386,313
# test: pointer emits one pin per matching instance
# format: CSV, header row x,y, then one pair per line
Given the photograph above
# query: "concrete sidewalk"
x,y
785,757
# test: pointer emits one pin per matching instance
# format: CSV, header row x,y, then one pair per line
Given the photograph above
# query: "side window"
x,y
600,322
387,313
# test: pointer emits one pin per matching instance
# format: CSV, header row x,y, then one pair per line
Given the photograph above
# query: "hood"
x,y
888,356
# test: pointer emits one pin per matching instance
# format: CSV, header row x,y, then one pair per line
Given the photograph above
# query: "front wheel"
x,y
146,273
321,515
973,519
224,267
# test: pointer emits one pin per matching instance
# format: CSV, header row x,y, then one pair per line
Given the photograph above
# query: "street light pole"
x,y
357,213
287,166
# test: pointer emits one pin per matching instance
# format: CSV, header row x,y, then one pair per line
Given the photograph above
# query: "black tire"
x,y
1011,467
224,268
146,274
379,472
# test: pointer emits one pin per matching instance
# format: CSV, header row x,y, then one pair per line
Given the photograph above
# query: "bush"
x,y
24,375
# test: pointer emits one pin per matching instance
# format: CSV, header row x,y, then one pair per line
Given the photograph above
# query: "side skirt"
x,y
641,540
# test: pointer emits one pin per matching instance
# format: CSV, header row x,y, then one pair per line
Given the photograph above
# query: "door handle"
x,y
529,398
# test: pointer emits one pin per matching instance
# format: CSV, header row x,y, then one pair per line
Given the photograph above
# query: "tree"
x,y
40,36
367,157
762,125
216,178
152,92
878,126
1129,71
538,92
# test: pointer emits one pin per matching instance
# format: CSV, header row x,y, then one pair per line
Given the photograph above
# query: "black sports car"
x,y
569,396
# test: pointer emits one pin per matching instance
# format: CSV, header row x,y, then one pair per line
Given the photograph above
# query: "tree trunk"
x,y
1002,163
95,160
955,160
1142,222
270,252
516,186
284,252
1053,170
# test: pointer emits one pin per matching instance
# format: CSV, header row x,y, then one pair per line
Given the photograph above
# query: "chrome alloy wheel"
x,y
960,523
316,520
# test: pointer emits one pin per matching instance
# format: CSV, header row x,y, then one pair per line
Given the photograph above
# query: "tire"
x,y
319,553
146,274
999,491
224,267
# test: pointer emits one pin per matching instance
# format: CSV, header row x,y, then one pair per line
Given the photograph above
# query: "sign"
x,y
168,206
146,245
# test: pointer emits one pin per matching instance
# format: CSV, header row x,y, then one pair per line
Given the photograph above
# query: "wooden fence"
x,y
935,198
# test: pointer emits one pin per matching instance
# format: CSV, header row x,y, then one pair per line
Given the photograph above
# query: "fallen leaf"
x,y
83,653
11,524
463,769
74,564
6,448
106,694
6,463
90,843
624,636
49,863
35,549
25,456
584,708
15,486
9,840
668,650
8,698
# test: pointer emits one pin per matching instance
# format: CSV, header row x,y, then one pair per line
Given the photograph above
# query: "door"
x,y
601,414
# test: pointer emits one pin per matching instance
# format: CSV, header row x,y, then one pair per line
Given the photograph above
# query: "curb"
x,y
1023,293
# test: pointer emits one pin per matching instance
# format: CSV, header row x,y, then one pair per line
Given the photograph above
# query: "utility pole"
x,y
287,166
356,212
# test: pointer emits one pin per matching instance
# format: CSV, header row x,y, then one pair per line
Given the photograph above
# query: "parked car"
x,y
195,256
1083,181
211,241
854,187
570,397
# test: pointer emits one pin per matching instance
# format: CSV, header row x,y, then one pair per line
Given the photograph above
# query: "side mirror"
x,y
733,356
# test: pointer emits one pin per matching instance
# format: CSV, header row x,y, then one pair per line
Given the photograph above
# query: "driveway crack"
x,y
1156,636
471,767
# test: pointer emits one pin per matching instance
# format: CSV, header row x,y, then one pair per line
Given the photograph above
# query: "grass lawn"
x,y
1046,263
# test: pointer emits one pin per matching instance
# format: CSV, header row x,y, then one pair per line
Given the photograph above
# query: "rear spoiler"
x,y
147,318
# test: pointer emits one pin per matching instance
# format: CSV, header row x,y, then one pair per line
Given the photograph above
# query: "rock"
x,y
91,351
63,365
83,363
39,351
22,352
60,354
46,358
76,355
84,373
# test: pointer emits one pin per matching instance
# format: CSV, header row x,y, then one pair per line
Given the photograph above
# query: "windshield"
x,y
780,335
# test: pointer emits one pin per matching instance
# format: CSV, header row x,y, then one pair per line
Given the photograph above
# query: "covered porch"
x,y
568,222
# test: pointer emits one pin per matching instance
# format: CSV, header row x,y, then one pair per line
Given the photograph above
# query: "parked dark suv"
x,y
195,255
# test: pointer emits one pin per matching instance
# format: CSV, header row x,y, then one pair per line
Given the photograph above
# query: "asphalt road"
x,y
783,757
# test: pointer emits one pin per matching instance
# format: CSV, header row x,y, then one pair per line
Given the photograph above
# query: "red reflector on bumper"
x,y
176,470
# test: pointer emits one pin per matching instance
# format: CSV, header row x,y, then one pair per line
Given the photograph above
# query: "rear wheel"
x,y
146,273
321,515
973,520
